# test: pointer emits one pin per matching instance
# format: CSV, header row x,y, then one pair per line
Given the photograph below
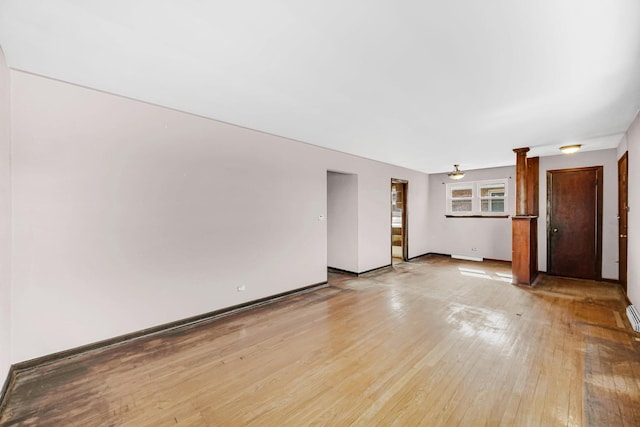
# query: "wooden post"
x,y
533,187
524,257
521,180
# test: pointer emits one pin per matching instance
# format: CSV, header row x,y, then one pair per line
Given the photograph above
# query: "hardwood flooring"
x,y
433,342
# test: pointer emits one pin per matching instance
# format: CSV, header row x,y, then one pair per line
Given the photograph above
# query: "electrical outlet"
x,y
474,249
241,288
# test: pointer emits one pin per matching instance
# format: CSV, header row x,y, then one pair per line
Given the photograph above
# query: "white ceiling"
x,y
421,84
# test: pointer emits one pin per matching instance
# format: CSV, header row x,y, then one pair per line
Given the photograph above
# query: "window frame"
x,y
476,199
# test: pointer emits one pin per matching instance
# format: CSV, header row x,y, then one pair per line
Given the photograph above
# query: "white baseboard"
x,y
468,258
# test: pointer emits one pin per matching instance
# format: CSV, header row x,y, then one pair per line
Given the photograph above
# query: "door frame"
x,y
623,209
405,216
599,195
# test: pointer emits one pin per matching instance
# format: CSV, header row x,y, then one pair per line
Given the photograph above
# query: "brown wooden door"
x,y
574,222
623,208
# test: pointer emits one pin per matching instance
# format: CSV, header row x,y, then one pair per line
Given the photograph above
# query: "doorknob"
x,y
555,230
623,236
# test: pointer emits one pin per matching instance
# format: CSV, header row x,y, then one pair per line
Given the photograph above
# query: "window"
x,y
461,198
480,198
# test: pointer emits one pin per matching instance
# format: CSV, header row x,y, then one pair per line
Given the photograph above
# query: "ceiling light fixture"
x,y
570,149
457,173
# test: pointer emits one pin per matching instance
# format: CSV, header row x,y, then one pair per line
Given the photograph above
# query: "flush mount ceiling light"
x,y
457,173
570,149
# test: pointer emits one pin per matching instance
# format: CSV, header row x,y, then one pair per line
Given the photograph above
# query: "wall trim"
x,y
27,365
467,258
425,254
341,271
353,273
497,260
375,269
7,387
449,255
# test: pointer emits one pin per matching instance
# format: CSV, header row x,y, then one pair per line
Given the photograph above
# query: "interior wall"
x,y
607,159
5,220
374,213
417,215
128,215
632,139
623,146
342,221
490,236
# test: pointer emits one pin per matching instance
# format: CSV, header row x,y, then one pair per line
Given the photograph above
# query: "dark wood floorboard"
x,y
432,342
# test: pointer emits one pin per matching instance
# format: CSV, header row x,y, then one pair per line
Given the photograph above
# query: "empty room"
x,y
219,213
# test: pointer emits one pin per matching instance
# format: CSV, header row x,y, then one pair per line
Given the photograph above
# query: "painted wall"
x,y
607,159
418,215
491,236
342,221
5,220
632,138
623,146
128,215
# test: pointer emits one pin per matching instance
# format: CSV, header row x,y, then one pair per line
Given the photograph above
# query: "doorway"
x,y
342,221
574,222
623,209
399,241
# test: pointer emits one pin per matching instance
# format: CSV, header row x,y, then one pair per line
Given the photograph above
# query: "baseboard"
x,y
460,257
467,258
374,269
7,387
353,273
420,256
497,260
341,271
65,354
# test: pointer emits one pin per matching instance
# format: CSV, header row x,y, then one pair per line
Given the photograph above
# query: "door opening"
x,y
342,221
399,241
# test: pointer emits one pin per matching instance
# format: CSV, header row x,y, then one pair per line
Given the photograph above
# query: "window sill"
x,y
476,216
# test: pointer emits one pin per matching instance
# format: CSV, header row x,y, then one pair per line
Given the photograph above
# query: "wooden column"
x,y
524,241
533,187
524,259
521,180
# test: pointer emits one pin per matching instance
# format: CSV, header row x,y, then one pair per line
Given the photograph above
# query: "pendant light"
x,y
457,173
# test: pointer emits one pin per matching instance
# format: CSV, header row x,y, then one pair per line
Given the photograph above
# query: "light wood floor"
x,y
434,342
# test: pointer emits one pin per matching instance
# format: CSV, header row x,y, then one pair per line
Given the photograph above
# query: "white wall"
x,y
607,159
491,236
632,138
342,221
623,146
128,215
374,249
5,220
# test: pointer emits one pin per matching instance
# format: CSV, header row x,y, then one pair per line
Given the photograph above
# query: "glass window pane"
x,y
457,192
492,205
492,190
461,205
